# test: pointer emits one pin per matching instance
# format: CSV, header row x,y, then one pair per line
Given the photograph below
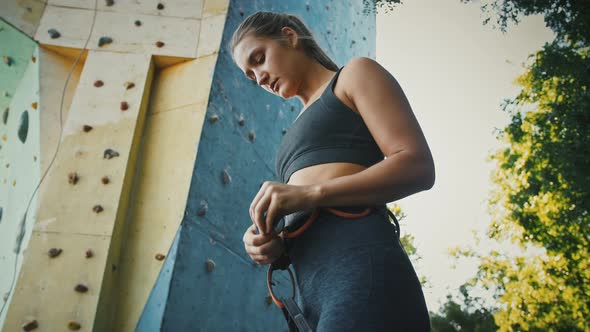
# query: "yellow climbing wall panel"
x,y
67,218
173,127
156,138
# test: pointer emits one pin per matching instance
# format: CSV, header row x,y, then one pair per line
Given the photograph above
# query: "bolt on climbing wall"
x,y
214,284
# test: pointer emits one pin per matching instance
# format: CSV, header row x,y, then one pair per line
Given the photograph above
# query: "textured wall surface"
x,y
232,296
19,160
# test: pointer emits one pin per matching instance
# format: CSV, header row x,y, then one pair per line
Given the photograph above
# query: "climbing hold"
x,y
251,135
113,267
328,32
307,7
5,296
87,128
34,158
268,300
23,127
81,288
159,43
74,326
33,59
203,209
210,265
364,38
98,83
327,7
104,40
225,178
284,131
241,13
292,108
7,60
105,179
89,253
160,6
30,326
73,178
54,252
160,256
110,153
34,105
213,118
137,23
5,115
6,94
241,120
129,85
124,106
1,213
97,208
53,33
110,2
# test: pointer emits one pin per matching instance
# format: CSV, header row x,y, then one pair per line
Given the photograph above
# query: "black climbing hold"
x,y
160,6
5,115
87,128
105,180
137,23
1,213
81,288
54,252
110,2
97,208
7,60
30,326
104,40
284,131
110,153
129,85
251,135
23,127
210,265
213,118
160,256
203,209
73,178
160,43
53,33
225,178
241,120
74,326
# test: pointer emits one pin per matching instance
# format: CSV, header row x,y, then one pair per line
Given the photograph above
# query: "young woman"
x,y
352,273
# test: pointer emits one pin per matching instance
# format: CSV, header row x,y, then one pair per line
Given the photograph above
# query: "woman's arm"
x,y
408,168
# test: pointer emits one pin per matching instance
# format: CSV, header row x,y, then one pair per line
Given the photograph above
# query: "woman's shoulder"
x,y
354,75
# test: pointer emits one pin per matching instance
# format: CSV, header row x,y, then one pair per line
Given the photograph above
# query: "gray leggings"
x,y
353,275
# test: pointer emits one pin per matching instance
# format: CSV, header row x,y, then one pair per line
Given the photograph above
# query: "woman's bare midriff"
x,y
323,172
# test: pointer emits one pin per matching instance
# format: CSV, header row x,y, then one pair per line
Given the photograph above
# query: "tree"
x,y
540,201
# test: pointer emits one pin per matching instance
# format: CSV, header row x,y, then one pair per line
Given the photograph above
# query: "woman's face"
x,y
270,63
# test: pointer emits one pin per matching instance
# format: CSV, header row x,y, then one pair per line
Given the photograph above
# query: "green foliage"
x,y
468,313
540,202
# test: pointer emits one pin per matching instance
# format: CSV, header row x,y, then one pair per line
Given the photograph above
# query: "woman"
x,y
352,274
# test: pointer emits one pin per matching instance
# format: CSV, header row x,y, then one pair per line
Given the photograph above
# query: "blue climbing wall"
x,y
233,160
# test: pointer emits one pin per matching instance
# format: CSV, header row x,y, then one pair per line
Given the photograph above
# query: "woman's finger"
x,y
261,192
259,210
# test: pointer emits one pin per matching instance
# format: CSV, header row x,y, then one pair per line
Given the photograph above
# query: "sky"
x,y
455,72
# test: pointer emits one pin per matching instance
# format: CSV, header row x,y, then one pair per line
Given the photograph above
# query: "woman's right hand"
x,y
263,249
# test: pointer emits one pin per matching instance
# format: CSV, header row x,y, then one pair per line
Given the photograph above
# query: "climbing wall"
x,y
140,88
19,149
163,143
214,286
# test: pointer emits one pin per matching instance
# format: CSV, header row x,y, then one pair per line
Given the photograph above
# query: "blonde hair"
x,y
269,24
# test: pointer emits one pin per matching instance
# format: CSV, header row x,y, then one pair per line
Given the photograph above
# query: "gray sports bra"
x,y
327,131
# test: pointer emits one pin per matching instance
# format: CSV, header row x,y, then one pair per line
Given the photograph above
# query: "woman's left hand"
x,y
277,200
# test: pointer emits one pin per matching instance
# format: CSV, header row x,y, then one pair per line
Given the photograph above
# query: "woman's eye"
x,y
261,59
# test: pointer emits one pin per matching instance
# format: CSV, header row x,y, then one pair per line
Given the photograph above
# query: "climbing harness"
x,y
291,226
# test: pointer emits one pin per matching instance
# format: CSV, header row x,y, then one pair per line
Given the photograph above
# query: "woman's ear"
x,y
292,37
